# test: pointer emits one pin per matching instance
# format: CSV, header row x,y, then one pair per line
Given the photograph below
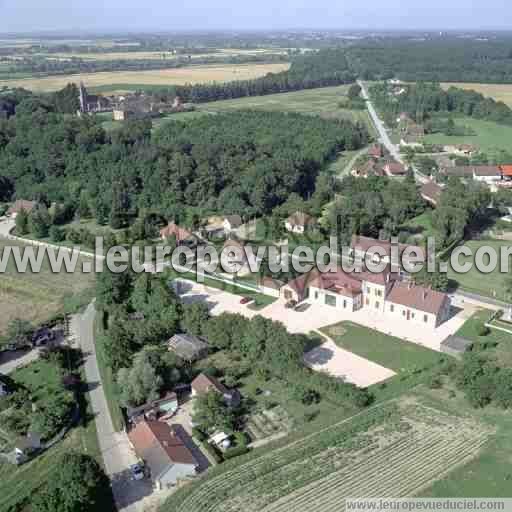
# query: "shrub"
x,y
236,452
57,234
198,434
482,329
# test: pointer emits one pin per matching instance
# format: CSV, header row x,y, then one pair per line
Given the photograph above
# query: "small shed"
x,y
456,346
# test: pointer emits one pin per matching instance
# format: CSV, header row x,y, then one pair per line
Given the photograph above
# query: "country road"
x,y
383,134
115,447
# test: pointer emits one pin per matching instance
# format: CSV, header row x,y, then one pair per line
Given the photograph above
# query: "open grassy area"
x,y
421,226
39,296
394,353
492,284
324,102
488,136
499,92
160,77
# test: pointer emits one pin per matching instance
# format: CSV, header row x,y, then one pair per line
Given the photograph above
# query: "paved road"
x,y
10,361
115,447
383,134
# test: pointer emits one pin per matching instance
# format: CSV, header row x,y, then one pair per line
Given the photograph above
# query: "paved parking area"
x,y
318,316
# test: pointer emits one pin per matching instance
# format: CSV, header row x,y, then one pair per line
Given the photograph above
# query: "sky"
x,y
184,15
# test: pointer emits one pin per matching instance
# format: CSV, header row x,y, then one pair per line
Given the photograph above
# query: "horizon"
x,y
57,16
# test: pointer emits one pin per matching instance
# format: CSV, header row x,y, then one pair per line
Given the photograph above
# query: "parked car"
x,y
137,471
290,304
245,300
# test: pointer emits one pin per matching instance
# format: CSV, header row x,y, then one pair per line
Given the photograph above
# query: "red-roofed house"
x,y
205,383
395,169
180,233
506,171
375,151
164,451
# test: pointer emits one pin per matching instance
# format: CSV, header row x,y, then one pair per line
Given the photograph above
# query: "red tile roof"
x,y
173,229
366,244
417,297
506,170
395,168
157,443
338,282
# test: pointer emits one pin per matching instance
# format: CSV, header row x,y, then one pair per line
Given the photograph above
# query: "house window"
x,y
368,290
367,301
403,312
377,305
330,300
345,304
316,295
379,293
425,318
392,308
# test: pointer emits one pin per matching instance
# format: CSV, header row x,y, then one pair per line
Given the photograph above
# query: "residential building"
x,y
205,383
164,451
187,347
300,222
431,192
90,103
163,408
461,149
411,141
19,205
395,169
489,174
181,234
231,222
506,172
375,151
366,246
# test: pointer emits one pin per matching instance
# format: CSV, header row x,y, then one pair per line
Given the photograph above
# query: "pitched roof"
x,y
375,150
417,297
368,245
395,168
187,346
431,191
204,383
486,170
269,282
21,204
506,170
173,229
234,220
159,446
338,282
300,219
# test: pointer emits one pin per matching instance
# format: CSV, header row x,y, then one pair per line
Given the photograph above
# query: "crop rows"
x,y
392,450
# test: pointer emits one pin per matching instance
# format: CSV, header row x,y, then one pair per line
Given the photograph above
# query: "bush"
x,y
482,329
236,452
198,434
57,234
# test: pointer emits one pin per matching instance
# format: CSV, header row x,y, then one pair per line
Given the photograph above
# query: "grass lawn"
x,y
489,136
422,225
399,355
37,297
324,102
492,284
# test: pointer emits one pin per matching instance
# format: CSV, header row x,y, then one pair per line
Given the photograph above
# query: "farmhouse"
x,y
383,292
204,383
489,174
187,347
299,222
19,205
164,451
161,408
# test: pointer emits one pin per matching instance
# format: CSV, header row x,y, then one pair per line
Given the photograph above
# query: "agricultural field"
x,y
488,136
491,284
396,449
38,296
324,102
499,92
160,77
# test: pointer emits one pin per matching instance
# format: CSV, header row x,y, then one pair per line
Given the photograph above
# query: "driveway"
x,y
10,361
118,456
339,362
318,316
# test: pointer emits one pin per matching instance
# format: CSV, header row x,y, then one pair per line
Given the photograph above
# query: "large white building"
x,y
383,292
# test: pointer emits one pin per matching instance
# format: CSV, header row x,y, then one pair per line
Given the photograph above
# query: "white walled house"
x,y
299,223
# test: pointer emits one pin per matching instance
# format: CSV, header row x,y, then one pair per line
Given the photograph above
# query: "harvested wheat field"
x,y
163,77
499,92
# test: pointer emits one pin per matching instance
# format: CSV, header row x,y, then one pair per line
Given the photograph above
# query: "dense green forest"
x,y
245,162
442,59
424,98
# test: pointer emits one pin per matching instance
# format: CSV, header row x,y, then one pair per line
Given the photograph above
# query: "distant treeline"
x,y
442,60
425,98
316,69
